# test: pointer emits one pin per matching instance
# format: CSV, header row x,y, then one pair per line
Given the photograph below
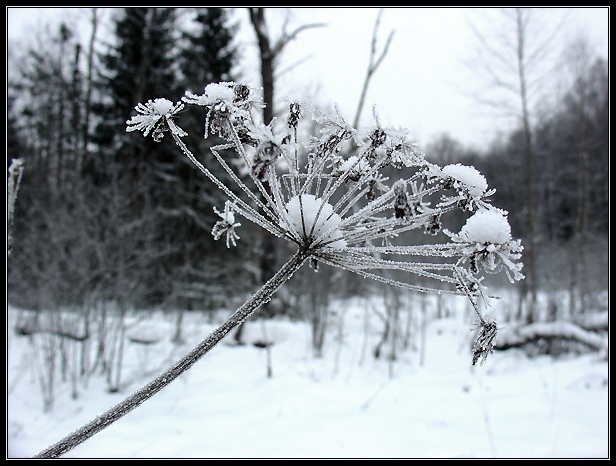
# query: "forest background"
x,y
109,224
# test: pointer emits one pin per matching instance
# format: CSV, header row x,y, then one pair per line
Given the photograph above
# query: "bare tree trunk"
x,y
89,81
531,251
511,59
269,52
578,60
267,56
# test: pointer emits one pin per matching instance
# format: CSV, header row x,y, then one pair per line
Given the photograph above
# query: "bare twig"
x,y
373,65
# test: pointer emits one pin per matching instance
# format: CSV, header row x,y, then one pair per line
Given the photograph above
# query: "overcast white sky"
x,y
422,82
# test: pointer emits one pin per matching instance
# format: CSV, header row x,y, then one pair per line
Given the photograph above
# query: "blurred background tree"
x,y
102,216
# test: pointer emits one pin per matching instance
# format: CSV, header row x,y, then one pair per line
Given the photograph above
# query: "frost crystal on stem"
x,y
226,226
329,195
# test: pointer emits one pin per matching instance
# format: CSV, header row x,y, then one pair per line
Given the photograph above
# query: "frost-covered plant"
x,y
330,197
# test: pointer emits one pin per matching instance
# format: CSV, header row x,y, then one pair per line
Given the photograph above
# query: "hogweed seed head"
x,y
330,196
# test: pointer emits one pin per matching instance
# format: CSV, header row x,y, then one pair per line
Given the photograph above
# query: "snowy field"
x,y
429,403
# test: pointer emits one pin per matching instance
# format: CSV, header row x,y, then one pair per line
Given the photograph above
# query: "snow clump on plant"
x,y
487,239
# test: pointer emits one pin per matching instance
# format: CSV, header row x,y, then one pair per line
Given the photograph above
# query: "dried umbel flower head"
x,y
329,195
156,116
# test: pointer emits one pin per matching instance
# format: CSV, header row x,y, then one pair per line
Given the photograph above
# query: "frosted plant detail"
x,y
329,195
15,172
487,241
467,178
157,117
336,198
226,226
484,343
311,217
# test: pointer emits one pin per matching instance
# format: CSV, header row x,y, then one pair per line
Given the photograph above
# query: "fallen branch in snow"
x,y
25,331
63,326
565,331
597,321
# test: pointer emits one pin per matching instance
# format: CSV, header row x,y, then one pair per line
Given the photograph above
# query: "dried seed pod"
x,y
266,155
241,92
484,343
402,207
434,225
294,115
378,137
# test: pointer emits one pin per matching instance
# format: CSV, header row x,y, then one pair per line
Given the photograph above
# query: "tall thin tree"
x,y
513,54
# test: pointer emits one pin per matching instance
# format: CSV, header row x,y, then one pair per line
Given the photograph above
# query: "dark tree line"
x,y
105,216
102,215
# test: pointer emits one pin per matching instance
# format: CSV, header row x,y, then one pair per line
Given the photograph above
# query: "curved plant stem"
x,y
262,296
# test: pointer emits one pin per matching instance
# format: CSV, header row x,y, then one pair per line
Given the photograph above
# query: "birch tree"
x,y
514,50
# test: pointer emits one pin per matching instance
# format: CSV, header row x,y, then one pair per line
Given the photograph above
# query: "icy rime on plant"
x,y
338,209
329,196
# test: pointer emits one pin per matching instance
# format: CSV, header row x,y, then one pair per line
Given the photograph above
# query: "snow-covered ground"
x,y
430,403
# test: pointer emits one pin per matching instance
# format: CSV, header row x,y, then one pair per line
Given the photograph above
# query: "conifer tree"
x,y
209,54
169,207
138,64
206,54
43,96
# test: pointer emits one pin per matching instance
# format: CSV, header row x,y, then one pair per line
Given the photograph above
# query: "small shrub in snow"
x,y
330,197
